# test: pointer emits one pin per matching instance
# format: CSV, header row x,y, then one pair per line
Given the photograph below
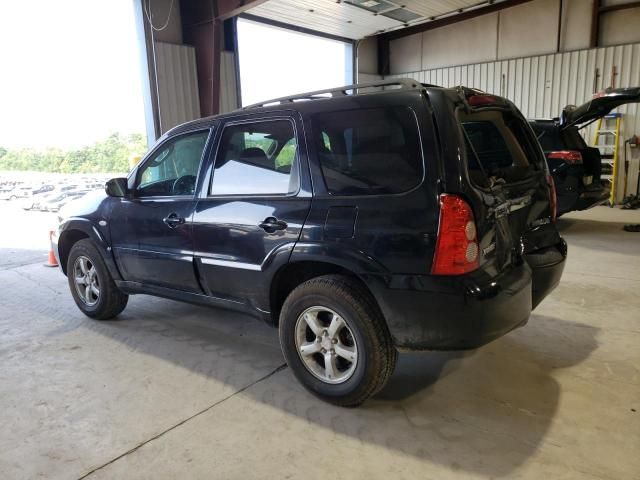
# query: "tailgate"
x,y
510,180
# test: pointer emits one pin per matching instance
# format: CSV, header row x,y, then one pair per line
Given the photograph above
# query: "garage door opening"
x,y
275,62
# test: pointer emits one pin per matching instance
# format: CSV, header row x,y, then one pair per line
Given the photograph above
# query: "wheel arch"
x,y
74,230
67,240
301,268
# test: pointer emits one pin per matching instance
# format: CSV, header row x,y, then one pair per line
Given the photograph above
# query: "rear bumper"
x,y
546,265
592,198
573,193
457,313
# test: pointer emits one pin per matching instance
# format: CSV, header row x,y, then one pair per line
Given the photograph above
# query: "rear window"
x,y
549,137
368,151
497,147
489,145
573,140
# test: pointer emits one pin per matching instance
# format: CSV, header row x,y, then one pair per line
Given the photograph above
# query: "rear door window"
x,y
368,151
257,158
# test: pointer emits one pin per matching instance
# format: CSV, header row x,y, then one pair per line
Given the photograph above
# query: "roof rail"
x,y
403,83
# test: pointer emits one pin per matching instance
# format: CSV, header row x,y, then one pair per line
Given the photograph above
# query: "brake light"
x,y
569,156
457,249
478,100
554,199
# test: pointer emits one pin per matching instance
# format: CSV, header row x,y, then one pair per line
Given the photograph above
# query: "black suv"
x,y
577,168
358,221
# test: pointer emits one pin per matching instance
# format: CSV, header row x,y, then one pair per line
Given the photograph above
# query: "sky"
x,y
69,72
276,62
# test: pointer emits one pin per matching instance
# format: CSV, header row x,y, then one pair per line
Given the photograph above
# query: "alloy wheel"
x,y
326,345
86,280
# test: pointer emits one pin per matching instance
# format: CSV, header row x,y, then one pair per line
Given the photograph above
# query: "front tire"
x,y
335,340
91,285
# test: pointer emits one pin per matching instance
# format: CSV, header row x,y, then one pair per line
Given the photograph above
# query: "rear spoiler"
x,y
474,98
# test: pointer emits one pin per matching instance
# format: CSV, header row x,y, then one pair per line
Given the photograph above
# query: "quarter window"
x,y
174,168
258,158
369,151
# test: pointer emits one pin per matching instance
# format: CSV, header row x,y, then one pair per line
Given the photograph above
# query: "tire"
x,y
363,336
109,301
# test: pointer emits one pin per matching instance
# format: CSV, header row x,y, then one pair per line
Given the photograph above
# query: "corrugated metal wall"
x,y
541,86
228,87
177,84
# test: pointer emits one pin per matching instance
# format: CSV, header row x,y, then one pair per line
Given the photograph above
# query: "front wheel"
x,y
92,287
335,340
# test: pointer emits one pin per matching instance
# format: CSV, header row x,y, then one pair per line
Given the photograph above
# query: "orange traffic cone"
x,y
51,262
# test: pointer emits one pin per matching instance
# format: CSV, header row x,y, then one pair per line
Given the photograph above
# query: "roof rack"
x,y
403,83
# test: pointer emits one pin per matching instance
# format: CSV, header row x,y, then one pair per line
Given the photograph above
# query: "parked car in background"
x,y
341,220
54,204
43,189
8,194
33,202
37,202
15,192
576,167
24,191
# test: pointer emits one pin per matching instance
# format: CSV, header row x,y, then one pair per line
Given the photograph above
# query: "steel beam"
x,y
595,24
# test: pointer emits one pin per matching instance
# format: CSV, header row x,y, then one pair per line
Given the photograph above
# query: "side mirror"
x,y
116,187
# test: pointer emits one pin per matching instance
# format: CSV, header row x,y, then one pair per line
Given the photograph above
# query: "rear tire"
x,y
91,285
335,340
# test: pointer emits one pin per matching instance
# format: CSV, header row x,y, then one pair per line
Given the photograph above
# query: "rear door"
x,y
253,205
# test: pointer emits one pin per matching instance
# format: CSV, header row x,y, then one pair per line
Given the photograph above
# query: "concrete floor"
x,y
178,391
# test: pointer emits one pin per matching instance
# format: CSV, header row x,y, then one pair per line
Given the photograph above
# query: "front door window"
x,y
173,169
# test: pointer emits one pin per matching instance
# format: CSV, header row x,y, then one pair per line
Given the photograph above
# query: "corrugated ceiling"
x,y
357,19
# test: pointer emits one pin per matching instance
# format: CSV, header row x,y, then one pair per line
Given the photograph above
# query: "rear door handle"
x,y
173,220
272,224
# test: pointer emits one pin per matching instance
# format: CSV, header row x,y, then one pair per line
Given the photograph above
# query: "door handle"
x,y
271,224
173,220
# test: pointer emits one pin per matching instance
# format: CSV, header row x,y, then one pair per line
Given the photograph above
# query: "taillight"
x,y
457,249
569,156
554,199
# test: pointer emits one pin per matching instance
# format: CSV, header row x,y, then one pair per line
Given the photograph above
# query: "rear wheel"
x,y
92,287
335,340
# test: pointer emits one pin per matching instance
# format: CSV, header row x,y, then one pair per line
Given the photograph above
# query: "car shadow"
x,y
484,411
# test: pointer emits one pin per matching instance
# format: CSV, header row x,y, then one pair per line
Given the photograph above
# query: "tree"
x,y
109,155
